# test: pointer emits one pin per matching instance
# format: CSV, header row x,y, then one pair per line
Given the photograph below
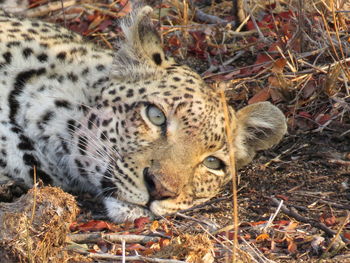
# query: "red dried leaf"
x,y
305,115
286,15
174,41
291,227
250,25
79,27
279,65
230,75
127,7
285,198
280,224
347,235
200,44
274,47
148,252
140,223
328,219
91,17
274,82
73,226
262,95
222,235
91,226
96,22
154,226
136,247
292,246
267,21
260,61
276,96
106,23
322,118
165,227
257,223
261,58
163,242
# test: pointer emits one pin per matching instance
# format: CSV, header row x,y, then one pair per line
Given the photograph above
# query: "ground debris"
x,y
193,248
34,228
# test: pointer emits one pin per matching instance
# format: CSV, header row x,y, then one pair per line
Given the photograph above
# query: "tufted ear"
x,y
141,51
260,126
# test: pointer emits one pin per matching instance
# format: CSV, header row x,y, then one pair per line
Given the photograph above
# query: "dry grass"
x,y
41,238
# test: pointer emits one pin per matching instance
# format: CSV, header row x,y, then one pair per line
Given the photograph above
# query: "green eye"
x,y
155,115
213,163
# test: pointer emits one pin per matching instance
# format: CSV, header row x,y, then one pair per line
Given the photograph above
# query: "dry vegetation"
x,y
294,200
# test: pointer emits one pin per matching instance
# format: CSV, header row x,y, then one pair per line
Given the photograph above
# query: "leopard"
x,y
129,125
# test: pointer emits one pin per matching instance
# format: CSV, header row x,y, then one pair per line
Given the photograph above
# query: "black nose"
x,y
155,187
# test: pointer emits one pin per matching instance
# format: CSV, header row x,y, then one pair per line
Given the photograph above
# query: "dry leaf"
x,y
262,237
262,95
154,226
279,65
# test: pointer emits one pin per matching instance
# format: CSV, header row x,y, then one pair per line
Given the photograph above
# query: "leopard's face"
x,y
160,130
166,138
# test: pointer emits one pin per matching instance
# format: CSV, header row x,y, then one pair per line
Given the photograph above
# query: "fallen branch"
x,y
332,204
213,227
293,213
211,19
131,258
340,162
48,8
95,237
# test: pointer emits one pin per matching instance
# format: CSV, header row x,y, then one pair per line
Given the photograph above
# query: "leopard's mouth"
x,y
156,188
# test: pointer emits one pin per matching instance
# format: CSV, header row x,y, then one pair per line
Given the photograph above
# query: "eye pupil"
x,y
214,163
155,115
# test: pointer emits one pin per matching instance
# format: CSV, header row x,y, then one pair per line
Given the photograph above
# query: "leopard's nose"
x,y
156,188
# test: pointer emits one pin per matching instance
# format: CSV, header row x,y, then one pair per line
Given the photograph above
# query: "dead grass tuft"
x,y
192,248
41,238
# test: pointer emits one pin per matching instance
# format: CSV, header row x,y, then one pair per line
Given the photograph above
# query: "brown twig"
x,y
338,161
261,35
335,205
212,226
131,258
211,19
49,7
293,213
95,237
232,170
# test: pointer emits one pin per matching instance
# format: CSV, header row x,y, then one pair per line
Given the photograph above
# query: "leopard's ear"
x,y
141,51
259,127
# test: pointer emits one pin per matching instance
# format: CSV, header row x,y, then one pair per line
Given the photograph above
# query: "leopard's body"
x,y
130,126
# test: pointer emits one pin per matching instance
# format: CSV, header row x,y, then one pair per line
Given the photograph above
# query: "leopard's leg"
x,y
10,189
15,162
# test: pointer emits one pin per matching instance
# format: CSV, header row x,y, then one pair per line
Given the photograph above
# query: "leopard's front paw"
x,y
119,211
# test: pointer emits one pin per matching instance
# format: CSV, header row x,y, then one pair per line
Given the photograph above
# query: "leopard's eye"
x,y
213,163
155,115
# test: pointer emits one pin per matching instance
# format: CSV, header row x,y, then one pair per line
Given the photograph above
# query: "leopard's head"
x,y
163,128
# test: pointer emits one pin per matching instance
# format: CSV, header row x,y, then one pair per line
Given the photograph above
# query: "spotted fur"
x,y
79,114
